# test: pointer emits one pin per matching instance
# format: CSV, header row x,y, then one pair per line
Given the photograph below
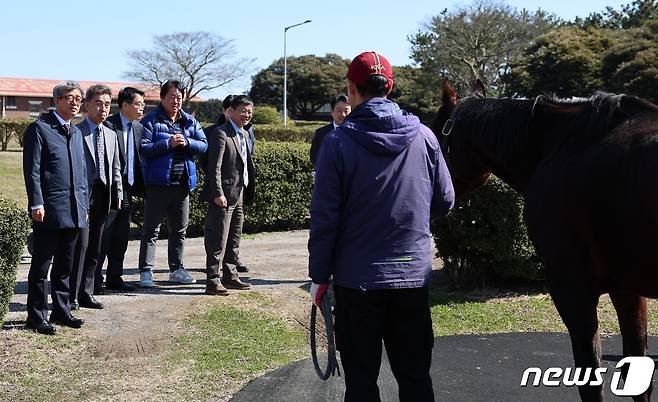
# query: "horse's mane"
x,y
504,127
601,112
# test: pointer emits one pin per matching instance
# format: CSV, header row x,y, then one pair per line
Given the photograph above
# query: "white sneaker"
x,y
181,276
146,279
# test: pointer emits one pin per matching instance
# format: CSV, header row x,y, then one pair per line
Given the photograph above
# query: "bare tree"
x,y
202,61
480,39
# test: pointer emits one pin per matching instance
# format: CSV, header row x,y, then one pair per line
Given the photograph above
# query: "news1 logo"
x,y
638,379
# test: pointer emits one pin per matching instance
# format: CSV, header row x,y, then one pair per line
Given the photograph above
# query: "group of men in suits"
x,y
80,180
79,186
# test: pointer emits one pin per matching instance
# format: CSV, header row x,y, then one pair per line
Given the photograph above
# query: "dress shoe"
x,y
236,284
242,269
66,320
119,285
90,302
215,289
98,290
40,326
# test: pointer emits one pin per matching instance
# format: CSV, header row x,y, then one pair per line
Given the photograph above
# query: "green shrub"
x,y
12,128
314,123
278,132
283,187
208,110
265,115
484,238
283,191
14,227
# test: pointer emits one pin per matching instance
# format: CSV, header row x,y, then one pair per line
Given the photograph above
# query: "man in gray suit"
x,y
229,185
104,182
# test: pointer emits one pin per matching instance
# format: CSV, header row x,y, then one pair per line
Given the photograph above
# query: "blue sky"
x,y
86,40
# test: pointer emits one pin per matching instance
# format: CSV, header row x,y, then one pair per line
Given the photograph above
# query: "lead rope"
x,y
332,363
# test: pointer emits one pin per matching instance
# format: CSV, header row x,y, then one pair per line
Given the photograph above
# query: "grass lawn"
x,y
458,313
11,173
238,343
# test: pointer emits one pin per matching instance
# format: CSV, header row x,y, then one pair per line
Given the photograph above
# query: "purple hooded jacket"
x,y
378,178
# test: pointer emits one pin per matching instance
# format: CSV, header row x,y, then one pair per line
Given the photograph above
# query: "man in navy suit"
x,y
117,226
104,182
56,182
339,110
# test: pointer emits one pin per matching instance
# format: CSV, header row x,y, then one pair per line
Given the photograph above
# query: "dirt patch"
x,y
131,328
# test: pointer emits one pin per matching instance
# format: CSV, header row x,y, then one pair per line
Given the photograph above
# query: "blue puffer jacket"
x,y
378,178
155,154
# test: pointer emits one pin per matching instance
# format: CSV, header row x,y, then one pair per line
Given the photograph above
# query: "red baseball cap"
x,y
367,64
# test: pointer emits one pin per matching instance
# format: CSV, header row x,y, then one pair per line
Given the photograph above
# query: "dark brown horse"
x,y
588,170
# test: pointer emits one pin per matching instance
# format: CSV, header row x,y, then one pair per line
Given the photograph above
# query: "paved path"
x,y
474,368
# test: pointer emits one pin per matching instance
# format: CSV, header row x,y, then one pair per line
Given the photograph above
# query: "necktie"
x,y
243,153
67,129
100,157
130,152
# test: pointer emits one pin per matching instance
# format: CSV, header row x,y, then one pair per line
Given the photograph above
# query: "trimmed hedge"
x,y
281,133
284,176
283,191
265,115
278,132
484,239
14,228
12,128
305,123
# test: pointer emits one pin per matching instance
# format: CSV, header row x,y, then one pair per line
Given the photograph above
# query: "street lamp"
x,y
285,72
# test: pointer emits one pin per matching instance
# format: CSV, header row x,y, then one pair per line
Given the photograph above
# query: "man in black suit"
x,y
229,185
339,110
117,226
56,183
104,182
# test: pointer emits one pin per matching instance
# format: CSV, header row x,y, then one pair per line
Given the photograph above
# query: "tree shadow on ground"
x,y
442,291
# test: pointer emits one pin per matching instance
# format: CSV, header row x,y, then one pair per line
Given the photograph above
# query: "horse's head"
x,y
467,169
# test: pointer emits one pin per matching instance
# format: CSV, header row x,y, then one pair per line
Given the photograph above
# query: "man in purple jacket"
x,y
379,176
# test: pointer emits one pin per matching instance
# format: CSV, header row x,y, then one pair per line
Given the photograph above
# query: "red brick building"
x,y
29,97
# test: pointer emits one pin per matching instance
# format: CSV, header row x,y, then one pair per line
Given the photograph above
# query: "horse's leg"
x,y
577,307
632,316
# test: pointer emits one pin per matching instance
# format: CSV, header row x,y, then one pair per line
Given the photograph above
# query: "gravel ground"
x,y
275,259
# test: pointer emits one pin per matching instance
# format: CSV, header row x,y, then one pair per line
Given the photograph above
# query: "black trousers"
x,y
115,240
49,243
88,249
399,317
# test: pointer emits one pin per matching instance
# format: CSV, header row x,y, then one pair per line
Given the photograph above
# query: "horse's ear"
x,y
448,94
478,87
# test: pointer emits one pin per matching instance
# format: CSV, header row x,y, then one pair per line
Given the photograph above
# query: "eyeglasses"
x,y
139,104
71,98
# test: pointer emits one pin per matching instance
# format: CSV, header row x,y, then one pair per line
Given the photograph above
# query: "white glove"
x,y
317,291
